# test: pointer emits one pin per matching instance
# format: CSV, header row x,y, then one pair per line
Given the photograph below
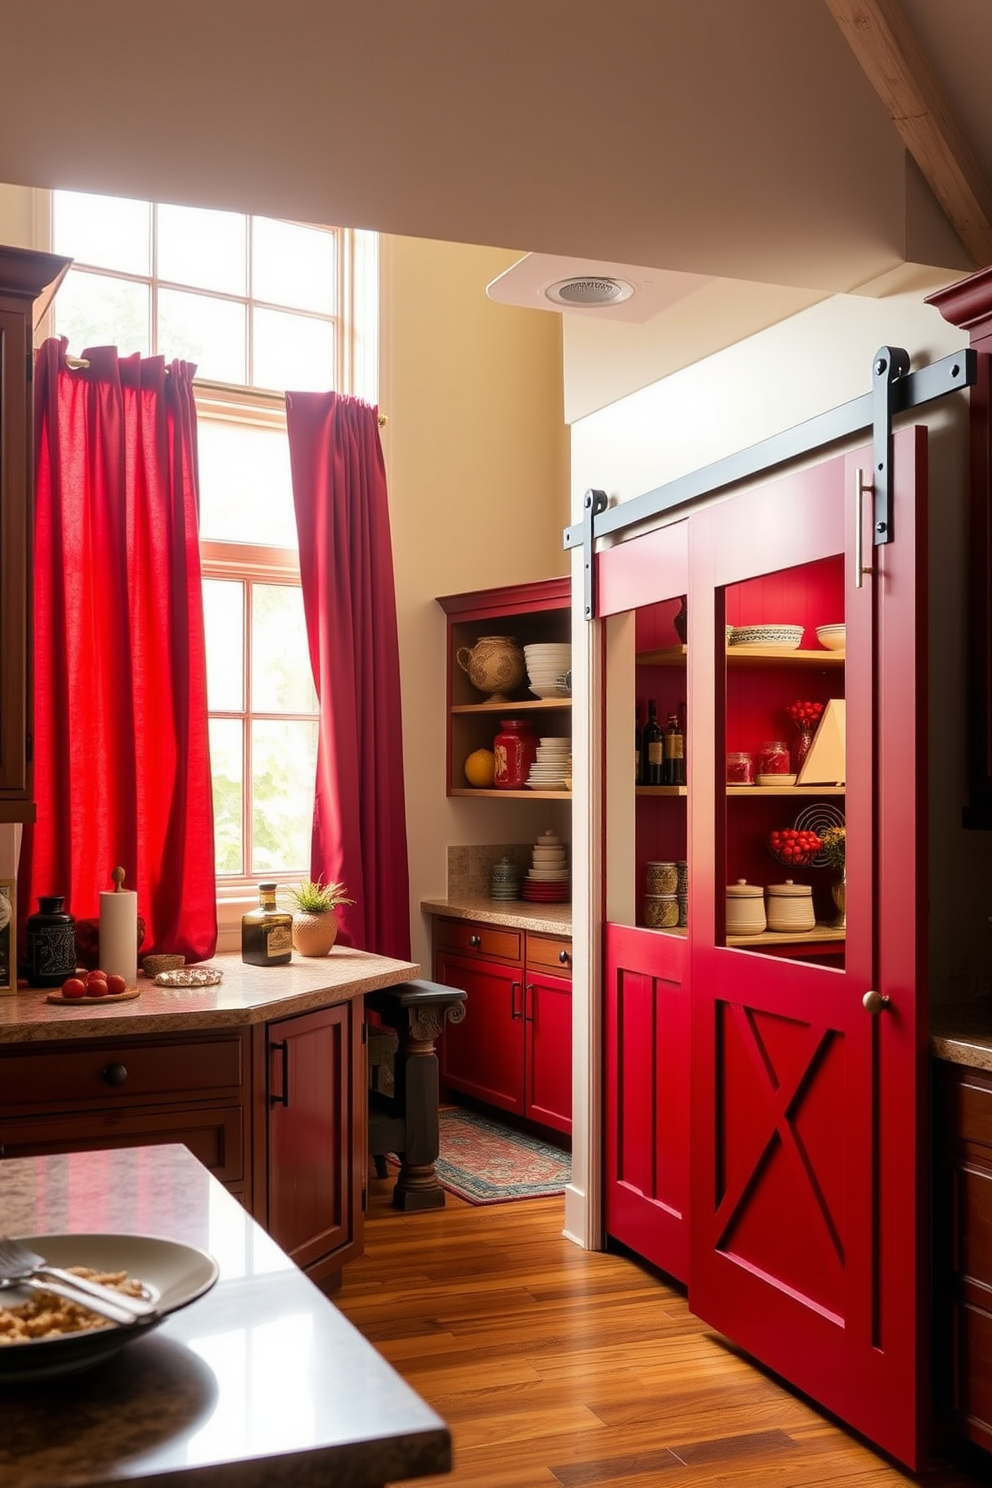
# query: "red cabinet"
x,y
513,1049
780,1084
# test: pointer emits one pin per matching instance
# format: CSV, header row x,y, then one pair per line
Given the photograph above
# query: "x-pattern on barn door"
x,y
808,1057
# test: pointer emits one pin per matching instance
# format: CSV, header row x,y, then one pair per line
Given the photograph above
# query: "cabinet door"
x,y
482,1056
647,1096
807,1160
314,1209
548,1050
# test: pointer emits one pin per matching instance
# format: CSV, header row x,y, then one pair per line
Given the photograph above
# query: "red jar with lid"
x,y
515,748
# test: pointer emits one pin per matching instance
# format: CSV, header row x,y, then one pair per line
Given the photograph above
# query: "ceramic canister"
x,y
745,908
790,906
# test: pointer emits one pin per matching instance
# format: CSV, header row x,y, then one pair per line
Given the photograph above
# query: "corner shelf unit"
x,y
531,613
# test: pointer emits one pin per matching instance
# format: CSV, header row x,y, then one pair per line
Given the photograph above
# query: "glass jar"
x,y
50,943
515,748
740,768
267,932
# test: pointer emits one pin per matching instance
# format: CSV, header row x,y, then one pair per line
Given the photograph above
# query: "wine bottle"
x,y
653,746
674,752
267,932
638,747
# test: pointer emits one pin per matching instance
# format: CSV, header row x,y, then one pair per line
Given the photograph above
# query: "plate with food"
x,y
42,1334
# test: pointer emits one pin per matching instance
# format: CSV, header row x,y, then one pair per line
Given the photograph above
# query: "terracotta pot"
x,y
314,934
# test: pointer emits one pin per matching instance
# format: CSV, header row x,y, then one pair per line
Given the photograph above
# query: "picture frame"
x,y
8,936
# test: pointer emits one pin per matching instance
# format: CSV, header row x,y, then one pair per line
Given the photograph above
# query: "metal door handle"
x,y
861,489
283,1099
529,989
875,1002
514,989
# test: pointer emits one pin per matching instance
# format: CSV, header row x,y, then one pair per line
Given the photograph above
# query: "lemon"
x,y
480,768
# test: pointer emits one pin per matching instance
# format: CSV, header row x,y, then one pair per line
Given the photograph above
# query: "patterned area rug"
x,y
486,1163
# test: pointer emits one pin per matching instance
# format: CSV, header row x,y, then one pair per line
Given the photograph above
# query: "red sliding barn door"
x,y
807,1203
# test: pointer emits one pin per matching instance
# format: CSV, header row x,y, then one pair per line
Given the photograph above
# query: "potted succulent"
x,y
315,925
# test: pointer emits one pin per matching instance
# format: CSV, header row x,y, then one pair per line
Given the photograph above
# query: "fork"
x,y
18,1264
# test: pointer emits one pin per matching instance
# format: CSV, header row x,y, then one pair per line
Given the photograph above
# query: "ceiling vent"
x,y
586,292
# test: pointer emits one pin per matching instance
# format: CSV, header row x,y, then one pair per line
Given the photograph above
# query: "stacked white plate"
x,y
547,665
552,765
548,881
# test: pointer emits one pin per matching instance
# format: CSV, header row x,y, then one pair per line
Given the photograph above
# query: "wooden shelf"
x,y
822,935
786,790
661,790
512,795
737,656
526,705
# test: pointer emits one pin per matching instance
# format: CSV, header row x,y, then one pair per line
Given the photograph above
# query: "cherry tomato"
x,y
116,985
73,987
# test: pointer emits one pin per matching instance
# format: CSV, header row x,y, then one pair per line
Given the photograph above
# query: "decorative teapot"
x,y
495,664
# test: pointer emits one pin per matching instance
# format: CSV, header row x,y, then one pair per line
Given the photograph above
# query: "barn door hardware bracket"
x,y
894,390
593,503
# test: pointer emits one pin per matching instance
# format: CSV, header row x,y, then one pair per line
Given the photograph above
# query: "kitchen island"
x,y
261,1381
262,1077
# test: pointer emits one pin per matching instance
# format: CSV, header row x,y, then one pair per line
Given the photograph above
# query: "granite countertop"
x,y
248,994
962,1034
519,914
260,1382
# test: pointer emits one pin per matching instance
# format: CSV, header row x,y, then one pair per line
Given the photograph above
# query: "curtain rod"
x,y
77,364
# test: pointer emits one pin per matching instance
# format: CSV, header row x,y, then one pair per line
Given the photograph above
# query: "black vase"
x,y
51,943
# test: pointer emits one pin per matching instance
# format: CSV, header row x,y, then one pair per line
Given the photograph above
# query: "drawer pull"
x,y
475,941
564,957
113,1074
529,1002
514,989
282,1047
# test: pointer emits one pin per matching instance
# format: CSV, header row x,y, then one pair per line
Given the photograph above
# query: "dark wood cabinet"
x,y
27,282
314,1137
513,1049
963,1253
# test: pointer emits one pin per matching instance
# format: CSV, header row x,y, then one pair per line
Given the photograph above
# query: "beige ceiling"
x,y
736,139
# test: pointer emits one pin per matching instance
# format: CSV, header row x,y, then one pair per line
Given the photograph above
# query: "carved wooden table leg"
x,y
417,1010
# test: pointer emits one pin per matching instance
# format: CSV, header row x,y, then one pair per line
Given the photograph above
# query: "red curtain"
x,y
122,767
346,565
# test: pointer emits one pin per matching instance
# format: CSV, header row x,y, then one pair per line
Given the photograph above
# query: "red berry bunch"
x,y
802,713
792,846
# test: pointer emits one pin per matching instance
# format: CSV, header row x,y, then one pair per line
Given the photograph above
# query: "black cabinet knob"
x,y
564,957
114,1074
475,941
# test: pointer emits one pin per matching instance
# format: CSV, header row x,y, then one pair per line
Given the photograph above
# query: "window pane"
x,y
224,622
210,333
92,310
227,770
246,492
107,231
284,764
281,679
293,265
293,351
208,249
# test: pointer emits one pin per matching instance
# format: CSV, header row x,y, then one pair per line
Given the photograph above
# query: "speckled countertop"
x,y
260,1382
248,994
962,1034
551,919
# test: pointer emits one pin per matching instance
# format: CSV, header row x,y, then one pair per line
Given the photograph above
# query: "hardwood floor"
x,y
554,1365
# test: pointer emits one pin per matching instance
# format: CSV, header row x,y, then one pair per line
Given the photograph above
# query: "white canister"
x,y
790,907
745,908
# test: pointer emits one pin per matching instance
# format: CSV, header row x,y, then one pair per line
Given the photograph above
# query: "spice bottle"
x,y
267,932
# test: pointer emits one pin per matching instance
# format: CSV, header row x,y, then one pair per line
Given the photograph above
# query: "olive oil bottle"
x,y
267,932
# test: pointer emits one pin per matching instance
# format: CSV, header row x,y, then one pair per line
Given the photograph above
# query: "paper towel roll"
x,y
119,934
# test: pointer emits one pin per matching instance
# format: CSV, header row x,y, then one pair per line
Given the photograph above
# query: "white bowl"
x,y
834,637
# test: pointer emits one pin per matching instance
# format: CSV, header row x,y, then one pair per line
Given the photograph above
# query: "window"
x,y
258,305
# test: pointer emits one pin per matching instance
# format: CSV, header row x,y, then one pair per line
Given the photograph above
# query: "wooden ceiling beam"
x,y
893,60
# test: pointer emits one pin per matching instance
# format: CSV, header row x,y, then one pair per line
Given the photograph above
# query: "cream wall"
x,y
476,458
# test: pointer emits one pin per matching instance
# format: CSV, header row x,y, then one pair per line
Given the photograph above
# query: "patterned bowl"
x,y
834,637
789,636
